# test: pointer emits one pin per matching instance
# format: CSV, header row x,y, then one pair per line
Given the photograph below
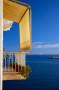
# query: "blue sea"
x,y
44,75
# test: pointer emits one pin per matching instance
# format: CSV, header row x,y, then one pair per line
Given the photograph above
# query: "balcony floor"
x,y
12,75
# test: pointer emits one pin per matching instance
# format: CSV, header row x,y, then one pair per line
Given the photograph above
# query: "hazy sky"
x,y
45,28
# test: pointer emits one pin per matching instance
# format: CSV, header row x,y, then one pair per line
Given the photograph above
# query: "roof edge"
x,y
22,3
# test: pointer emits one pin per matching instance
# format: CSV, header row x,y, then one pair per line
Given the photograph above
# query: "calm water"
x,y
44,75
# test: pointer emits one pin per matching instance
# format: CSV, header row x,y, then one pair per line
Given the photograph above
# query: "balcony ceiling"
x,y
13,11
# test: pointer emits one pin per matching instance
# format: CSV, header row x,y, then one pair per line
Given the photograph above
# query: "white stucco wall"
x,y
1,41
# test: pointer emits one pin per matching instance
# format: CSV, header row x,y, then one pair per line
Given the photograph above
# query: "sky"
x,y
45,28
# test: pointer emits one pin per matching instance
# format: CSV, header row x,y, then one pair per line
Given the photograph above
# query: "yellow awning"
x,y
25,31
13,11
19,12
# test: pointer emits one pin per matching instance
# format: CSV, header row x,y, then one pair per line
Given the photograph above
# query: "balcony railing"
x,y
14,65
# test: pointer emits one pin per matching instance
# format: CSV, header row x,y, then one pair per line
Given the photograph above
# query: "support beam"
x,y
1,42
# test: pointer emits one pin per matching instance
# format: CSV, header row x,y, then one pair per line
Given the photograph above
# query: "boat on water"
x,y
53,57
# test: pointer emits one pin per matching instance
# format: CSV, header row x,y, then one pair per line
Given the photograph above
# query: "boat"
x,y
53,57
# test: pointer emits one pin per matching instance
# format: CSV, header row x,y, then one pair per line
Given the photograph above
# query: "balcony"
x,y
14,66
14,63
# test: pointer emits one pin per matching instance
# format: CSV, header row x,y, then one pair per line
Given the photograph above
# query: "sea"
x,y
44,74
